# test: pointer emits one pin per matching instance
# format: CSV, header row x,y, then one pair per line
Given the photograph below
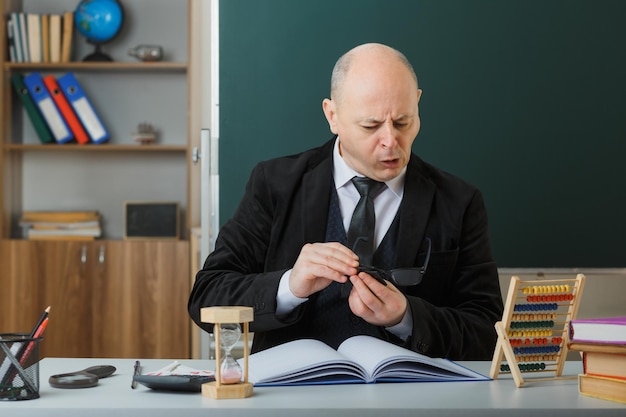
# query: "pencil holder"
x,y
19,367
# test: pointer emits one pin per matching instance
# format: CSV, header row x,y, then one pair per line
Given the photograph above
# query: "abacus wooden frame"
x,y
504,348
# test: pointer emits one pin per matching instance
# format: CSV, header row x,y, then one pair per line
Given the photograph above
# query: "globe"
x,y
99,21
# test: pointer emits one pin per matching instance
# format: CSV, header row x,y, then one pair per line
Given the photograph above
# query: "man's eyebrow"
x,y
397,119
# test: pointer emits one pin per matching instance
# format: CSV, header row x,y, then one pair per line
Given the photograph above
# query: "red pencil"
x,y
26,348
29,348
23,356
31,345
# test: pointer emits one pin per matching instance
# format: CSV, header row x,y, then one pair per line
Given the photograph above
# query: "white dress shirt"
x,y
386,206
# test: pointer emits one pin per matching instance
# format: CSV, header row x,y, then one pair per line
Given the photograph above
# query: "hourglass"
x,y
230,370
228,374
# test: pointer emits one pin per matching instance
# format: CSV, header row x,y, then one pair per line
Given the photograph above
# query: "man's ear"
x,y
330,111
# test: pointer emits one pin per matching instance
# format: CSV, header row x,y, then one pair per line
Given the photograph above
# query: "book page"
x,y
298,361
381,359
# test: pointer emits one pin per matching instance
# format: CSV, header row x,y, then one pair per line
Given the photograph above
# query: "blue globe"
x,y
98,20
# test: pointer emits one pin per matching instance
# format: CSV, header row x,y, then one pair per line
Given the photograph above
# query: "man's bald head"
x,y
371,55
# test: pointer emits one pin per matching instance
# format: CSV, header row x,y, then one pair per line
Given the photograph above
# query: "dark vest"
x,y
330,318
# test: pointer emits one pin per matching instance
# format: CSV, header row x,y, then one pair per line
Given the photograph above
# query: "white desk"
x,y
113,397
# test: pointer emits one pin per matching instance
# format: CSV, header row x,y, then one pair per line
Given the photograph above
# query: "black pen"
x,y
41,319
136,371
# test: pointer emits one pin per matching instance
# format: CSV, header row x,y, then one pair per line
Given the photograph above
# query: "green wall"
x,y
525,99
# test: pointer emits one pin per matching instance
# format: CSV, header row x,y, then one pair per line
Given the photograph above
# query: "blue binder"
x,y
51,114
83,108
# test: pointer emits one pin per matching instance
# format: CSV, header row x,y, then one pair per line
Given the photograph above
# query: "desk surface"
x,y
114,397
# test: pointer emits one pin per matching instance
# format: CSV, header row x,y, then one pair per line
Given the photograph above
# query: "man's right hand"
x,y
318,265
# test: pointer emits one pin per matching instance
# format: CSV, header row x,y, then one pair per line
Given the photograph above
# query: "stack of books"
x,y
61,225
40,38
602,343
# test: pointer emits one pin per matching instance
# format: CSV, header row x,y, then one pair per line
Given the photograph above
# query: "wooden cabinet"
x,y
63,277
107,298
20,307
140,298
42,274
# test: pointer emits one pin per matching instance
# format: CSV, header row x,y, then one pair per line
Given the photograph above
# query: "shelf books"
x,y
64,234
598,330
55,38
65,225
40,38
60,216
23,37
33,24
45,38
359,359
66,36
11,40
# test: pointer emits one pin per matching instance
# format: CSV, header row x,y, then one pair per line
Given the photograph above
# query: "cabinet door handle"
x,y
83,254
195,155
101,254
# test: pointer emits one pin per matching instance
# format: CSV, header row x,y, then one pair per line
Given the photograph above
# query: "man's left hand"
x,y
376,303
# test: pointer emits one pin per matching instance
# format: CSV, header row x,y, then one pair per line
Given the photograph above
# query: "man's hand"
x,y
318,265
376,303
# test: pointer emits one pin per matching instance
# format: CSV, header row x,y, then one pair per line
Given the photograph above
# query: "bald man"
x,y
285,251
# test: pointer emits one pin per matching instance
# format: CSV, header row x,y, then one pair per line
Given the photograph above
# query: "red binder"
x,y
66,109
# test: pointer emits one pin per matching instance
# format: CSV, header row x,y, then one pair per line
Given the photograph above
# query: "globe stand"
x,y
97,55
99,21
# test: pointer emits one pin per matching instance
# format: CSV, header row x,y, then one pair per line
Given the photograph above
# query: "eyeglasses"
x,y
403,277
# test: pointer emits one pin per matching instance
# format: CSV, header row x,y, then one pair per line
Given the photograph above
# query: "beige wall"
x,y
604,293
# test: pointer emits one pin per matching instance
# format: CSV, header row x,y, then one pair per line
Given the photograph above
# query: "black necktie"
x,y
361,230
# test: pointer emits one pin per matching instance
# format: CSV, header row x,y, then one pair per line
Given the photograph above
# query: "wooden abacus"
x,y
532,335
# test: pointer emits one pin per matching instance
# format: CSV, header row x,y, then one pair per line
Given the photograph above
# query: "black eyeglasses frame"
x,y
402,277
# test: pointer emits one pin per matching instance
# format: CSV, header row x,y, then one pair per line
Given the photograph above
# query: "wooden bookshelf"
x,y
133,292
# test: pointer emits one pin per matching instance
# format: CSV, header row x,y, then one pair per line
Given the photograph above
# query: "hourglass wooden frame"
x,y
222,315
532,335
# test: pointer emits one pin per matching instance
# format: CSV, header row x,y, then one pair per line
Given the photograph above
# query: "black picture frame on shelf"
x,y
151,220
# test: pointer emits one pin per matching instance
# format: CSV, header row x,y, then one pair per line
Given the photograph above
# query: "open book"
x,y
359,359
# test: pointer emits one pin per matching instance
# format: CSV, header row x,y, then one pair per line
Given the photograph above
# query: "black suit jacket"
x,y
286,205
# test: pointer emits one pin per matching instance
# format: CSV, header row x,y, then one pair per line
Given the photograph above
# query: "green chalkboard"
x,y
525,99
